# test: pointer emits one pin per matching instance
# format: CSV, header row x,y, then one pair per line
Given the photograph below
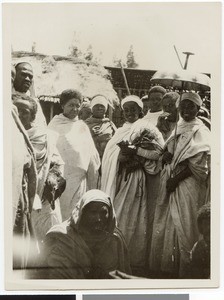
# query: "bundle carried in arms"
x,y
146,137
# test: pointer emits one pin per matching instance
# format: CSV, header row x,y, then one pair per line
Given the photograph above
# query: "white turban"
x,y
132,98
100,99
194,97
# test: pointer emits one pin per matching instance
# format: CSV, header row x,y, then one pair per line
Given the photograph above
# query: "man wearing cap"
x,y
23,85
183,188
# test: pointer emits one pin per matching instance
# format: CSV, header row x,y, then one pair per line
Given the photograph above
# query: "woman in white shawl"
x,y
131,153
182,192
77,150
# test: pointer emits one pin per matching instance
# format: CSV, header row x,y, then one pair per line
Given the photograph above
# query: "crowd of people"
x,y
90,199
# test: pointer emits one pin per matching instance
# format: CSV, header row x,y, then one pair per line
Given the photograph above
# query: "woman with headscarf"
x,y
101,128
182,192
133,151
77,149
88,245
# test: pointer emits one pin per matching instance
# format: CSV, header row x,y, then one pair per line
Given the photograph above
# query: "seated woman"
x,y
49,169
101,128
88,245
183,187
132,153
77,149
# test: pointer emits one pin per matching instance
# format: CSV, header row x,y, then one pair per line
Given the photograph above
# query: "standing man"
x,y
154,101
23,84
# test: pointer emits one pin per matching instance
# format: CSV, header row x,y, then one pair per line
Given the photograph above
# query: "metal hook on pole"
x,y
187,58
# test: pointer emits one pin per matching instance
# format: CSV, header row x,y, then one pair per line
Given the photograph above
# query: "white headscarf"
x,y
99,99
132,98
94,196
194,97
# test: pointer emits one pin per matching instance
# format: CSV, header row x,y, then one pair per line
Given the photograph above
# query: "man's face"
x,y
95,217
155,101
23,79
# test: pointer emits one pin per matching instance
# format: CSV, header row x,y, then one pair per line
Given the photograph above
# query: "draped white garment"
x,y
175,223
81,159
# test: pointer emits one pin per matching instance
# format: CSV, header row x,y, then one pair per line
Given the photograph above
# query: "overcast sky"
x,y
152,29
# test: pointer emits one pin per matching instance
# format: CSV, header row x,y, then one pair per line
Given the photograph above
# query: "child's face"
x,y
25,112
98,111
85,113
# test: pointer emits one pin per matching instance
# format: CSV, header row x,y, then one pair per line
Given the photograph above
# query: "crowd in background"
x,y
90,199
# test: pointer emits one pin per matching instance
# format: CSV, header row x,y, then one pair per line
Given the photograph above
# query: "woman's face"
x,y
71,108
25,113
188,110
95,217
131,111
98,111
155,100
169,106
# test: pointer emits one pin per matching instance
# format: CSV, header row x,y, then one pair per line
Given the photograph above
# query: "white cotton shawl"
x,y
152,117
77,149
109,162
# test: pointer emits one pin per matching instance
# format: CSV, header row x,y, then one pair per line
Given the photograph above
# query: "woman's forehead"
x,y
73,100
169,100
130,104
96,205
98,105
187,102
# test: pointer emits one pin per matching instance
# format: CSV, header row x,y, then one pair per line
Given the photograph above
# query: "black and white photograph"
x,y
112,144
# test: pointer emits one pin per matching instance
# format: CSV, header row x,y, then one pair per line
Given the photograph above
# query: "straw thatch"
x,y
53,74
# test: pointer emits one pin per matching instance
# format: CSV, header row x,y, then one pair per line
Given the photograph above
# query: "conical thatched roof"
x,y
53,74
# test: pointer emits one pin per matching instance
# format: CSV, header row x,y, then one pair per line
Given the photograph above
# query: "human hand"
x,y
167,157
171,184
104,137
129,150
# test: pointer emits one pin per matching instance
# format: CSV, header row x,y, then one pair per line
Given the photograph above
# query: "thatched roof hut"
x,y
53,74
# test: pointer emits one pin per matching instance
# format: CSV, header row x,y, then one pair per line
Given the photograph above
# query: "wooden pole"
x,y
125,79
51,111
